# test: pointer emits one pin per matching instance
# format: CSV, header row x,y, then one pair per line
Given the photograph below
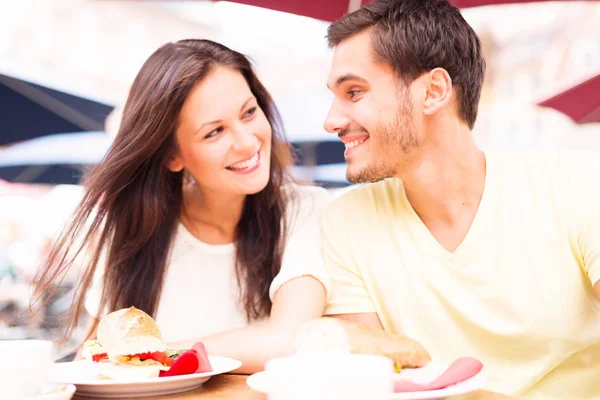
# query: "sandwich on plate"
x,y
129,347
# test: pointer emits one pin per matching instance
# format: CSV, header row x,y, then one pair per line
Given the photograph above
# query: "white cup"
x,y
24,367
327,376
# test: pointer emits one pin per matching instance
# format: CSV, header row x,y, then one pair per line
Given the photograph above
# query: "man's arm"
x,y
370,319
582,197
589,245
350,299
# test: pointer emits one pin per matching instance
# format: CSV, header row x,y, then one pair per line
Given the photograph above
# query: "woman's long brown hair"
x,y
132,203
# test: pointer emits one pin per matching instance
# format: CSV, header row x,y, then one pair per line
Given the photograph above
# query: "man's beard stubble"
x,y
400,134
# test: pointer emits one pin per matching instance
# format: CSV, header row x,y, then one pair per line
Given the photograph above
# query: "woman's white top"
x,y
200,295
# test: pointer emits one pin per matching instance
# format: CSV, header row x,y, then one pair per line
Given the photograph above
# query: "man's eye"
x,y
353,93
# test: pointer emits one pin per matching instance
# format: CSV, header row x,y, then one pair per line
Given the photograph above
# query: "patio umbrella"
x,y
325,10
581,103
28,110
479,3
55,159
333,9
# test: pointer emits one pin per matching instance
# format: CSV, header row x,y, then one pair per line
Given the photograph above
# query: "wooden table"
x,y
233,387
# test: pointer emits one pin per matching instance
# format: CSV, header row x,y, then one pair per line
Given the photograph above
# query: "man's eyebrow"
x,y
345,78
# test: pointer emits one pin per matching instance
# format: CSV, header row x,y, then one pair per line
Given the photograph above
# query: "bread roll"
x,y
129,331
334,335
127,372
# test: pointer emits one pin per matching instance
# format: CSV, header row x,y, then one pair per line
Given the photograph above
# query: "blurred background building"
x,y
69,65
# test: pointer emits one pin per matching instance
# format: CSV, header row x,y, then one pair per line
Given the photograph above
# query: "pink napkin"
x,y
459,371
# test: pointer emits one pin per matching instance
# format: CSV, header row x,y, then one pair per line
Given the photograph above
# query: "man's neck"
x,y
448,181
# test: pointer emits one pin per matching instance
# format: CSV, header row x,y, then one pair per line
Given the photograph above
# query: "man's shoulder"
x,y
364,200
523,157
583,161
554,164
577,174
304,201
549,158
311,191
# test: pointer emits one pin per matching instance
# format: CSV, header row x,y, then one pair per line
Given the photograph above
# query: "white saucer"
x,y
54,391
262,382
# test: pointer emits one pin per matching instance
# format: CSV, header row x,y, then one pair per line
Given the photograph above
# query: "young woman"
x,y
192,215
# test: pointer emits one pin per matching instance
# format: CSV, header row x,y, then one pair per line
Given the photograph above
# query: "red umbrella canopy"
x,y
331,10
478,3
581,103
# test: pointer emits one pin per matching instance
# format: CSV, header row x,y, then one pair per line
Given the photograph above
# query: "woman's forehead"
x,y
222,93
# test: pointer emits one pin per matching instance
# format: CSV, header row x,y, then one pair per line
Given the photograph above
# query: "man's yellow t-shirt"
x,y
518,291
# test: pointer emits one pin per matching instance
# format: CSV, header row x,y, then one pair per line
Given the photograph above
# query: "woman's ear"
x,y
174,162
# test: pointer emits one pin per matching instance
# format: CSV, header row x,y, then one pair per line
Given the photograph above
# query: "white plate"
x,y
54,391
261,382
84,375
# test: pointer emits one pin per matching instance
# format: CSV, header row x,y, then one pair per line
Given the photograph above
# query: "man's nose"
x,y
336,120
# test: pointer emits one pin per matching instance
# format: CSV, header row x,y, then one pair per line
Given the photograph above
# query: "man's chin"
x,y
360,177
367,174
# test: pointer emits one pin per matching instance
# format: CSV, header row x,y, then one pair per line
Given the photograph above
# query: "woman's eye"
x,y
250,112
213,133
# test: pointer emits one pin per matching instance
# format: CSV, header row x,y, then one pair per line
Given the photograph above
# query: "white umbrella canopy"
x,y
64,148
53,159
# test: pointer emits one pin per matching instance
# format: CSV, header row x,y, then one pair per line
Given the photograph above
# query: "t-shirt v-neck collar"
x,y
465,248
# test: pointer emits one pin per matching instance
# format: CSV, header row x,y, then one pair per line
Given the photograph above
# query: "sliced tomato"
x,y
185,364
190,362
99,357
159,356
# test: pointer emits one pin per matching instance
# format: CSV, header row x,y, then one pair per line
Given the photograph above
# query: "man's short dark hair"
x,y
416,36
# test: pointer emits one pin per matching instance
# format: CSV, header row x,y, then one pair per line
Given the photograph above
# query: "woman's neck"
x,y
211,217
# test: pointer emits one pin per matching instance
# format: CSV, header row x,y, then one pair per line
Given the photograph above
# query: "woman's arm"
x,y
299,291
296,302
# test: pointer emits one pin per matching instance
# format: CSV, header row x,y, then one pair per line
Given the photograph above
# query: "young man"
x,y
492,255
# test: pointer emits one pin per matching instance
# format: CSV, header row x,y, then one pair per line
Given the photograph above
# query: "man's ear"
x,y
438,90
